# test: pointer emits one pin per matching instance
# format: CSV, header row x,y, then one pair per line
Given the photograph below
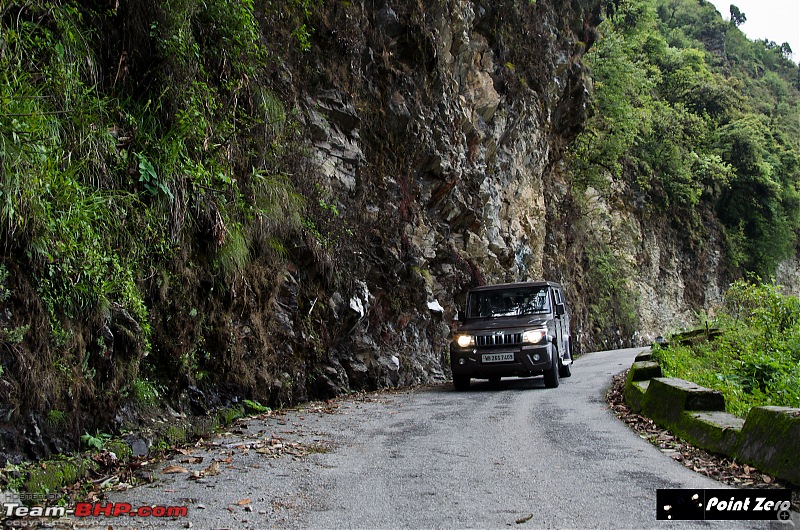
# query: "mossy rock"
x,y
120,448
667,398
716,431
644,370
637,382
634,392
770,441
51,476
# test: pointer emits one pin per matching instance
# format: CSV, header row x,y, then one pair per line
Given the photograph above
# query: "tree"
x,y
737,17
760,197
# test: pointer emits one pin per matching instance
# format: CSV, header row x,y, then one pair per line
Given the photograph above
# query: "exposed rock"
x,y
333,123
459,157
437,132
788,276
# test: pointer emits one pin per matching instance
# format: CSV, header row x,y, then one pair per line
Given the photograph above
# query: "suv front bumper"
x,y
471,361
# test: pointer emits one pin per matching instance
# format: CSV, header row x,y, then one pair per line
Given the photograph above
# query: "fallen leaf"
x,y
525,519
174,469
211,470
243,502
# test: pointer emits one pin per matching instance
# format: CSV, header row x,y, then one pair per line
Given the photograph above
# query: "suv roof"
x,y
515,285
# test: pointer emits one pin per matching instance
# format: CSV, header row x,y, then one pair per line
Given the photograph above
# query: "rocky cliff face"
x,y
440,130
434,136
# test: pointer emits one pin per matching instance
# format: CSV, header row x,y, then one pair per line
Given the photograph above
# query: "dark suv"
x,y
512,329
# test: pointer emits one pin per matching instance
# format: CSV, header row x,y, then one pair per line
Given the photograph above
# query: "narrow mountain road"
x,y
511,455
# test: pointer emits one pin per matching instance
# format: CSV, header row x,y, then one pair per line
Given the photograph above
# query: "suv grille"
x,y
498,340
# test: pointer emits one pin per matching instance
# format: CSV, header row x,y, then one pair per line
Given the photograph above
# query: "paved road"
x,y
512,455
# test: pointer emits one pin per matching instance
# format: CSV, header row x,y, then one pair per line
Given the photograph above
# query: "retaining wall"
x,y
768,439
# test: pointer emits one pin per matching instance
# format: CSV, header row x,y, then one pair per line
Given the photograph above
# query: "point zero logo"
x,y
724,504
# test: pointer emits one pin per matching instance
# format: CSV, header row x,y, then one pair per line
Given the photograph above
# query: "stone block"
x,y
716,431
770,441
667,398
634,392
644,370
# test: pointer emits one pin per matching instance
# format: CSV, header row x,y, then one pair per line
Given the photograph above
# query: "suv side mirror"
x,y
457,316
561,309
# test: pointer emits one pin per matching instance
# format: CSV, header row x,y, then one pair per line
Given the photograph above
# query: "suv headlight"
x,y
465,341
534,336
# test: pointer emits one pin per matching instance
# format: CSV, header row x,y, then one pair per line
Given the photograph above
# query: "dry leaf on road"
x,y
174,469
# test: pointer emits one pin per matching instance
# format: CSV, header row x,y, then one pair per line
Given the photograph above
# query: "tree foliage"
x,y
698,118
737,17
145,163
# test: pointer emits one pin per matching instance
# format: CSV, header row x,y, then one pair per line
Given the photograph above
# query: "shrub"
x,y
756,361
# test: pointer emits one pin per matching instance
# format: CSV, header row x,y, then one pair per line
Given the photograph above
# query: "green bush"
x,y
120,171
612,309
756,360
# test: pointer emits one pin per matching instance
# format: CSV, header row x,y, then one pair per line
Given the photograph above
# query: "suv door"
x,y
561,322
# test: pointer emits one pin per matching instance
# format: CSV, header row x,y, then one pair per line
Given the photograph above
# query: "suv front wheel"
x,y
461,382
551,375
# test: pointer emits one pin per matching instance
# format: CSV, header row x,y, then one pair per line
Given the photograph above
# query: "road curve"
x,y
513,455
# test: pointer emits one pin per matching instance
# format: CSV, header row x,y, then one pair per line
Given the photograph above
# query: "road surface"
x,y
511,455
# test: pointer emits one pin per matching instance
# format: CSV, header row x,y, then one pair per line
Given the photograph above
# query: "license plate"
x,y
497,357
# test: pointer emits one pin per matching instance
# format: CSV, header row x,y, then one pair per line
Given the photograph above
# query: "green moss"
x,y
227,415
119,448
425,274
51,476
770,438
254,407
634,393
718,432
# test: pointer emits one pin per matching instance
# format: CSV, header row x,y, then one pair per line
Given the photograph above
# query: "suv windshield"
x,y
509,302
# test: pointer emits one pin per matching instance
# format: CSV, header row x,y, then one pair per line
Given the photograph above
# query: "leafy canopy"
x,y
698,119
